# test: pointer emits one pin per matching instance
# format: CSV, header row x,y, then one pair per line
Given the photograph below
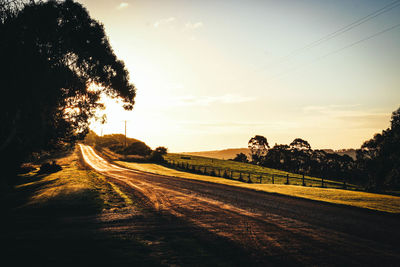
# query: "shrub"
x,y
50,168
137,148
158,153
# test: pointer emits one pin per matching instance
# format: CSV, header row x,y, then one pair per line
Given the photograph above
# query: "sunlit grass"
x,y
372,201
73,188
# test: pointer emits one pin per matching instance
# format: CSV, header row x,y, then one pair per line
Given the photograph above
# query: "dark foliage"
x,y
300,158
51,52
241,157
137,148
258,146
158,155
377,165
379,157
50,167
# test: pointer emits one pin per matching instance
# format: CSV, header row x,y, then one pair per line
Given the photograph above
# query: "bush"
x,y
137,148
50,168
158,155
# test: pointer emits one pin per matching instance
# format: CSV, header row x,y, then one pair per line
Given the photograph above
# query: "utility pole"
x,y
125,133
125,142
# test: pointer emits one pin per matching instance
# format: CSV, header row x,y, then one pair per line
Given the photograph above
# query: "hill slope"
x,y
229,153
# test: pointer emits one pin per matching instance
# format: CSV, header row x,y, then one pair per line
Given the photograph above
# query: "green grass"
x,y
72,188
254,170
366,200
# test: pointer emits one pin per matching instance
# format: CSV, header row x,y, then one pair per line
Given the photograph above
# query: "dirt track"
x,y
273,229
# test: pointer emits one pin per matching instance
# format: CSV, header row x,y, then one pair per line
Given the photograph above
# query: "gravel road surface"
x,y
274,229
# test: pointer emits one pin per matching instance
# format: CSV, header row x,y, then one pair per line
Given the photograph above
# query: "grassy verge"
x,y
371,201
73,189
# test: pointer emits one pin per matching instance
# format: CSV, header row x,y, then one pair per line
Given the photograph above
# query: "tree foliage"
x,y
379,157
300,144
258,146
298,157
51,53
377,165
241,157
157,155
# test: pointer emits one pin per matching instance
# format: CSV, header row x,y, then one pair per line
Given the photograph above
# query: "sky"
x,y
212,74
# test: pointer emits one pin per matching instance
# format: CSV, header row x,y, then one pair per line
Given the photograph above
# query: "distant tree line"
x,y
377,164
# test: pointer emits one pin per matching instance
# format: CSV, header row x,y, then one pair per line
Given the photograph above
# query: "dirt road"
x,y
273,229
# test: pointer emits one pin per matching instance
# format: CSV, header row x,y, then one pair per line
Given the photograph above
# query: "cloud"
x,y
161,22
193,26
351,115
207,100
243,124
122,5
329,109
367,120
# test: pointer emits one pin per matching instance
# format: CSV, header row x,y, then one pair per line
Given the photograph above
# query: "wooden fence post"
x,y
249,179
322,182
260,179
287,178
273,179
304,184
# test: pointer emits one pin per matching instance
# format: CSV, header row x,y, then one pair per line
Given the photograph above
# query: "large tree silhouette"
x,y
258,146
379,157
51,52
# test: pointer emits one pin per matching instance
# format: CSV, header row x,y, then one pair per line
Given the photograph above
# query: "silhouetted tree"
x,y
51,52
301,154
136,148
300,144
158,154
241,157
379,157
278,157
258,146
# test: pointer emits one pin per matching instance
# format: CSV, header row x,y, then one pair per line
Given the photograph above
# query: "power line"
x,y
340,31
352,25
339,50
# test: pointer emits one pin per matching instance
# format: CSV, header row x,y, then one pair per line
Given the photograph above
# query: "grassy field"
x,y
255,171
372,201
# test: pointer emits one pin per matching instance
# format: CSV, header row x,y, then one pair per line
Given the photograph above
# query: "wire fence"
x,y
259,177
